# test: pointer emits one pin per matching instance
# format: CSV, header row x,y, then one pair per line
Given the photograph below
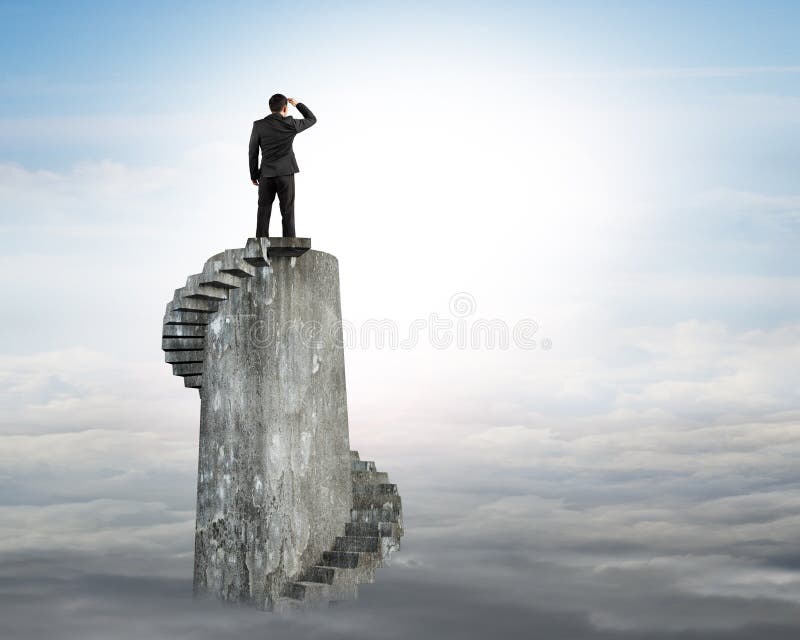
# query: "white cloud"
x,y
97,526
78,389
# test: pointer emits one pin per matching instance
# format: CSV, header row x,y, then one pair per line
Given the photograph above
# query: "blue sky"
x,y
623,173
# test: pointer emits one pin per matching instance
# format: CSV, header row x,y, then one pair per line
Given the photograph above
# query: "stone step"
x,y
214,277
288,247
320,573
183,331
362,465
360,543
316,591
351,559
256,252
369,477
381,489
187,317
336,576
193,382
195,290
379,501
310,591
174,357
182,344
354,455
342,579
233,262
374,515
182,303
187,369
375,529
221,280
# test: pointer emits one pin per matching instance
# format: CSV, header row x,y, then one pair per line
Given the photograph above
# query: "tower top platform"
x,y
290,247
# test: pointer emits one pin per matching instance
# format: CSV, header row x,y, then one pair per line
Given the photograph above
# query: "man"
x,y
274,135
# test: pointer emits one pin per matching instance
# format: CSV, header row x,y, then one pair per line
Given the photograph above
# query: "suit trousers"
x,y
268,187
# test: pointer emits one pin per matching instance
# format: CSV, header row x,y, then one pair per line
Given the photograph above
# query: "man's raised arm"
x,y
253,153
308,118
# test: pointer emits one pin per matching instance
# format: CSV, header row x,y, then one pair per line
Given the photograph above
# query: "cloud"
x,y
113,198
96,526
407,602
79,389
586,521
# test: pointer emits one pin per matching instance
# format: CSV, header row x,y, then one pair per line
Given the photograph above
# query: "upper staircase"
x,y
191,308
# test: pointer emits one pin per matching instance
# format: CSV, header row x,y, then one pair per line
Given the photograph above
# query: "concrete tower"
x,y
287,514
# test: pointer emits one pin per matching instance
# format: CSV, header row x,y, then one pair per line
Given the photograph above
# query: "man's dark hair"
x,y
277,102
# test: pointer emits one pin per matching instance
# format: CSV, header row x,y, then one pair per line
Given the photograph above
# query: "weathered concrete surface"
x,y
274,485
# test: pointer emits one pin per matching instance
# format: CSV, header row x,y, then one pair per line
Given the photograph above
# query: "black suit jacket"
x,y
274,135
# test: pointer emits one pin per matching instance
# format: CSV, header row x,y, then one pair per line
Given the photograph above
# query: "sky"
x,y
610,185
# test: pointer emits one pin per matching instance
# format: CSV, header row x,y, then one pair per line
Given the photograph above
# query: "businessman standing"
x,y
274,135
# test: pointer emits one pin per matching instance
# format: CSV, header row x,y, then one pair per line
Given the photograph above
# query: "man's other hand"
x,y
292,102
255,182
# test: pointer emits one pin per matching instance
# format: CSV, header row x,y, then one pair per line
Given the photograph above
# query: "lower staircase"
x,y
371,536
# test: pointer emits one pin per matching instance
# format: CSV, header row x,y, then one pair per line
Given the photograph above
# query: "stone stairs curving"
x,y
371,536
191,309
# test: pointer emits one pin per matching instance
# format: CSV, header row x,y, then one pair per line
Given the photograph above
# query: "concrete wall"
x,y
274,484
